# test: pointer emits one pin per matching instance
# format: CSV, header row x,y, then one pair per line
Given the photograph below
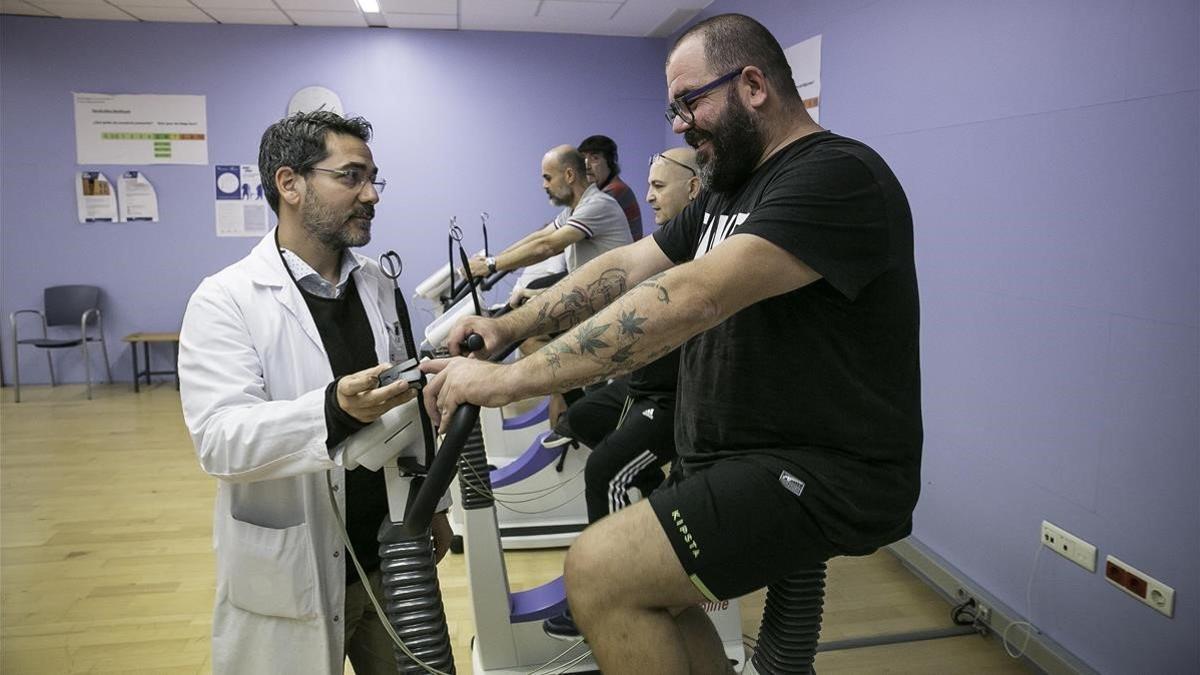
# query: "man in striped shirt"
x,y
600,153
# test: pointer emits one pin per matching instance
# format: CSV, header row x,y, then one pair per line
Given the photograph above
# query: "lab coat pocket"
x,y
270,570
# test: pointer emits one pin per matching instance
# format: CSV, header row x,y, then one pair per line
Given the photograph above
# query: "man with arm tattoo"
x,y
790,283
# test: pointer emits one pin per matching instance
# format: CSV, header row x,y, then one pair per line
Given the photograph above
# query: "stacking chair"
x,y
64,306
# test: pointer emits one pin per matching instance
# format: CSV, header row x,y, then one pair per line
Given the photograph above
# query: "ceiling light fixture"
x,y
369,6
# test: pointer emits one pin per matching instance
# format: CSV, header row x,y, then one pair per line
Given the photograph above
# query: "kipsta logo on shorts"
x,y
687,538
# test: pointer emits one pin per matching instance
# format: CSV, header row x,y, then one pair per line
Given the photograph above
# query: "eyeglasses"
x,y
354,179
681,106
676,162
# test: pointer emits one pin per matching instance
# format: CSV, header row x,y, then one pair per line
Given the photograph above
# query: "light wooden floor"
x,y
106,564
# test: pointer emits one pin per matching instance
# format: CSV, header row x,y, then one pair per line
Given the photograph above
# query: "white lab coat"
x,y
253,373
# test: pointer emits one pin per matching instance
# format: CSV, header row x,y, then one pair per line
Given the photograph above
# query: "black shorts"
x,y
738,525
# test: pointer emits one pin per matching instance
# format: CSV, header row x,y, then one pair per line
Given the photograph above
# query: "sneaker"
x,y
556,440
561,627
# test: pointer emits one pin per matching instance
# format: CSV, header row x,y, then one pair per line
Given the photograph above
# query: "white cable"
x,y
573,662
576,660
362,576
559,505
1030,629
541,493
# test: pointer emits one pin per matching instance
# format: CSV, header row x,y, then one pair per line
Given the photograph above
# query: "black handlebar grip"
x,y
473,343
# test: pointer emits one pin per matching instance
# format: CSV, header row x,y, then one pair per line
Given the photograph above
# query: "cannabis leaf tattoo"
x,y
631,323
589,338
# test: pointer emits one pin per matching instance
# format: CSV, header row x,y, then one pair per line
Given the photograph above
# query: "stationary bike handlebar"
x,y
460,289
474,341
445,463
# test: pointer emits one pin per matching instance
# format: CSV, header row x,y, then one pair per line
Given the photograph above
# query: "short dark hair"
x,y
736,40
298,141
604,146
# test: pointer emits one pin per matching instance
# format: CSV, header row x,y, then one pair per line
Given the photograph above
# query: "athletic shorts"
x,y
738,525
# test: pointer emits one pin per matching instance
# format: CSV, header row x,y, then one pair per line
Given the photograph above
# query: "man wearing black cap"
x,y
600,153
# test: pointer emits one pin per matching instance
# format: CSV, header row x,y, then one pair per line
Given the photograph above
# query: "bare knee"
x,y
583,572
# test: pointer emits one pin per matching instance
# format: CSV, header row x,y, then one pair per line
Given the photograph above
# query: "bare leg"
x,y
625,587
705,650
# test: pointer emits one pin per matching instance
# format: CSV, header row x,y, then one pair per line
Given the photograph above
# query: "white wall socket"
x,y
1140,585
1068,546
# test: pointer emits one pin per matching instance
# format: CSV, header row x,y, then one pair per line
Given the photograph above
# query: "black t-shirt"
x,y
657,379
823,381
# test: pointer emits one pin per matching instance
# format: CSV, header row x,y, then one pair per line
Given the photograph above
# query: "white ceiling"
x,y
635,18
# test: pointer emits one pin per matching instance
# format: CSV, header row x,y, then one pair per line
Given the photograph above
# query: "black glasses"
x,y
681,106
673,161
354,179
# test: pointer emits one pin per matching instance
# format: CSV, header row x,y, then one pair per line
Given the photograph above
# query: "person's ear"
x,y
755,84
290,185
693,187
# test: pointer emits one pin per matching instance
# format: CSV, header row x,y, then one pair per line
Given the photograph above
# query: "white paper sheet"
x,y
95,199
805,60
137,198
140,129
241,207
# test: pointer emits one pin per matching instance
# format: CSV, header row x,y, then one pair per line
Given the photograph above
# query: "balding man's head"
x,y
564,175
674,182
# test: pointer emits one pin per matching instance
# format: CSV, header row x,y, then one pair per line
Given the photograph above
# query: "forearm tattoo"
x,y
579,302
616,346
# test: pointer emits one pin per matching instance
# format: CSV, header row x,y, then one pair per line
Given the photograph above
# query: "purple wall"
x,y
462,121
1051,152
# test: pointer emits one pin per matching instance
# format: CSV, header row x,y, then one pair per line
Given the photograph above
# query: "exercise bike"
x,y
509,638
549,511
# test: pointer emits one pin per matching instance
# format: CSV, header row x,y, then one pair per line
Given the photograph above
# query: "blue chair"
x,y
64,306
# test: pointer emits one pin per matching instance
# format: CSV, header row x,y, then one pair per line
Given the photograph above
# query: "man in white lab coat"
x,y
279,358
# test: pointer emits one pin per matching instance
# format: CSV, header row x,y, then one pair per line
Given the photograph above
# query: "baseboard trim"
x,y
1042,652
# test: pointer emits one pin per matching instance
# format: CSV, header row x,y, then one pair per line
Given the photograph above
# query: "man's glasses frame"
x,y
356,176
680,106
673,161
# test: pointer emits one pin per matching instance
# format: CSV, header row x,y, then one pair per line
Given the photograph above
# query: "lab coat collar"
x,y
265,267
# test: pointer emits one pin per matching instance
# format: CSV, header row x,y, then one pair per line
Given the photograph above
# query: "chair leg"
x,y
16,367
50,364
104,349
87,369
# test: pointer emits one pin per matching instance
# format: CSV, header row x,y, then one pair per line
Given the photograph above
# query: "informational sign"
x,y
140,129
805,60
241,206
137,198
95,198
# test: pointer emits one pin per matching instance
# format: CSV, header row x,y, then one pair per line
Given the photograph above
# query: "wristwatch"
x,y
491,264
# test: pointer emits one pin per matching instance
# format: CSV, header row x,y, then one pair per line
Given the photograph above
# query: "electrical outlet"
x,y
1068,546
1140,585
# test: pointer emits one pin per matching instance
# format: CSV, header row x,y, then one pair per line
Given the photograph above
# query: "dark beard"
x,y
736,146
332,229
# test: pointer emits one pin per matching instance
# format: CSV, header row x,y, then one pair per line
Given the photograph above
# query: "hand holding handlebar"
x,y
489,334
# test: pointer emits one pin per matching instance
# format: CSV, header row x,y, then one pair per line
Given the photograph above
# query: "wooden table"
x,y
146,339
